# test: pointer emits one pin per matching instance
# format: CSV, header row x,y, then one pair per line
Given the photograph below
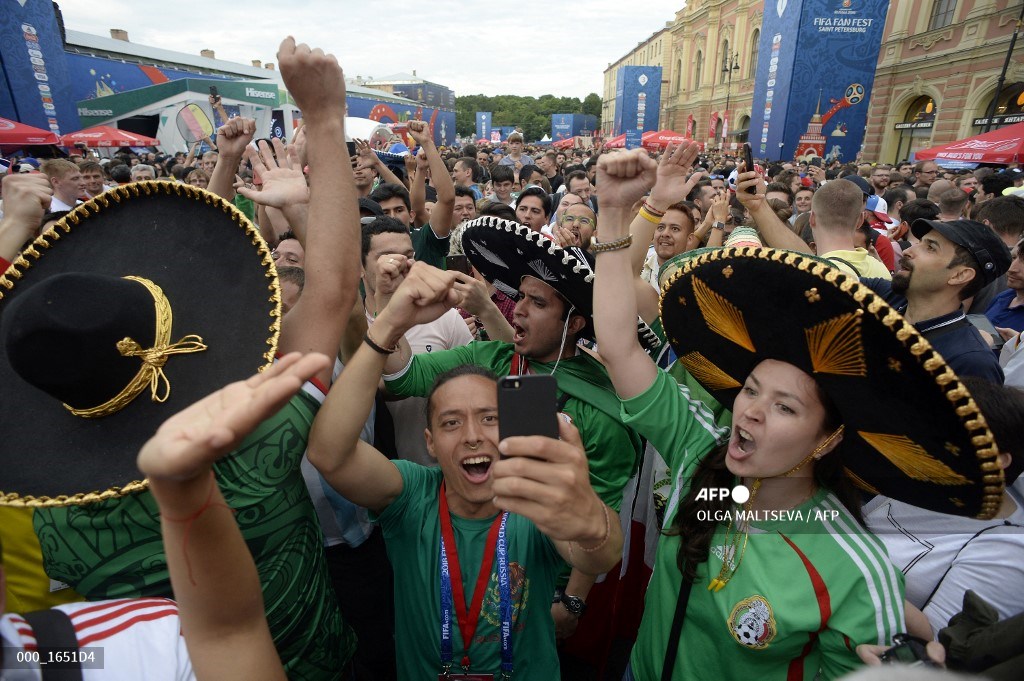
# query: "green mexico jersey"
x,y
612,449
812,584
412,532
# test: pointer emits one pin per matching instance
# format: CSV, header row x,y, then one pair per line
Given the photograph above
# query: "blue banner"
x,y
35,71
441,122
564,126
805,105
483,125
637,101
561,126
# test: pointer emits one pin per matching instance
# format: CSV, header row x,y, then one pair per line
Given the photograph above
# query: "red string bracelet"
x,y
192,518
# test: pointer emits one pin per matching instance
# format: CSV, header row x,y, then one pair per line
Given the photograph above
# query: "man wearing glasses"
x,y
576,227
880,177
926,173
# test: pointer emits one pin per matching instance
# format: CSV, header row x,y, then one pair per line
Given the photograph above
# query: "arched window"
x,y
942,14
698,71
1010,103
755,45
725,61
679,75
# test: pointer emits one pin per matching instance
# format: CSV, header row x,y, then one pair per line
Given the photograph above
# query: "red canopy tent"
x,y
660,139
18,134
1003,146
106,136
564,144
616,142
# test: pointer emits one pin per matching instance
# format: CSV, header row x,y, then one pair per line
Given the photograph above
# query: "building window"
x,y
755,45
679,75
698,71
942,14
725,61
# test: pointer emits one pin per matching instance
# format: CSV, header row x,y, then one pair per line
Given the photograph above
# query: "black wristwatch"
x,y
574,604
718,225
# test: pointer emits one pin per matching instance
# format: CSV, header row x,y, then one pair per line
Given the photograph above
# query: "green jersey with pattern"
x,y
114,549
412,532
812,584
613,450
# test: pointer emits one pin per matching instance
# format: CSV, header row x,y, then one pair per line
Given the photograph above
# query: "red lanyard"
x,y
467,618
519,365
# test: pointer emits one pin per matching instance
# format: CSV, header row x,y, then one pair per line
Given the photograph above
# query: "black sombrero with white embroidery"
x,y
726,310
504,252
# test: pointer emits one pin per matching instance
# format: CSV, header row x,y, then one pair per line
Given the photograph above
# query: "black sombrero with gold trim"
x,y
135,305
504,252
913,432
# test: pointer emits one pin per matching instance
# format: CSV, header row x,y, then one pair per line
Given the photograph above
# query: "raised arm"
x,y
441,216
369,158
317,84
774,232
354,468
622,179
418,189
212,573
232,139
284,185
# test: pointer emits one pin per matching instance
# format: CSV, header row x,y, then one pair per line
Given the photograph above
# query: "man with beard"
x,y
951,262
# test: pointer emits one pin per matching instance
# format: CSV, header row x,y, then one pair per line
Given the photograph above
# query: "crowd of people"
x,y
790,406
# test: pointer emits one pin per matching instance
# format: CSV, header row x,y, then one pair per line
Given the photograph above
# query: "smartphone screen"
x,y
457,263
528,405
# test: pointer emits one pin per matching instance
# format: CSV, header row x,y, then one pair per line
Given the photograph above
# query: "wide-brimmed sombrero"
x,y
504,252
913,432
135,305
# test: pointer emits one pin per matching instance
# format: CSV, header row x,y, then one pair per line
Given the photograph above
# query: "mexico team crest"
x,y
752,623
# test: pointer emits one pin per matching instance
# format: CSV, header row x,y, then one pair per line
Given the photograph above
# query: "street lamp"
x,y
728,68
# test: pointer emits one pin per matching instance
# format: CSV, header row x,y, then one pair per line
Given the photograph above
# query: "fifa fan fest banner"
x,y
816,67
483,125
637,102
35,87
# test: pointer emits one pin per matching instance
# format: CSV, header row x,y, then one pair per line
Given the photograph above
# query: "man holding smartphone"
x,y
547,324
471,539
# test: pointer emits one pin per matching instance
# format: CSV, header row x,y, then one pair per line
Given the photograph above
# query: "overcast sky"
x,y
529,47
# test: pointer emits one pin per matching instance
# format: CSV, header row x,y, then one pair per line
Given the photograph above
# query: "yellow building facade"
x,y
936,76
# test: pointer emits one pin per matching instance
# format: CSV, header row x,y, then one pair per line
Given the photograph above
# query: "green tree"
x,y
532,114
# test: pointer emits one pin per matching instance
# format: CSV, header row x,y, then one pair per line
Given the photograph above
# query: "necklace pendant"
x,y
716,585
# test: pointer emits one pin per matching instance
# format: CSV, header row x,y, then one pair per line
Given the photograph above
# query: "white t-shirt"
x,y
140,638
409,414
942,556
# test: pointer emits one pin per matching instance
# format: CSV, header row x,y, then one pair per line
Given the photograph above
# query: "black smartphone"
x,y
528,405
909,650
213,91
457,263
748,164
816,161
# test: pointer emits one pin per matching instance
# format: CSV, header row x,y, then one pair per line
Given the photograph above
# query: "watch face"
x,y
574,604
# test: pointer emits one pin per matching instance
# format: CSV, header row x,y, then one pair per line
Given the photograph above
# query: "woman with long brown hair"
x,y
763,568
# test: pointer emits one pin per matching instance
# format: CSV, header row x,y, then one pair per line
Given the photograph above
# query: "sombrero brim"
x,y
218,275
504,252
913,432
